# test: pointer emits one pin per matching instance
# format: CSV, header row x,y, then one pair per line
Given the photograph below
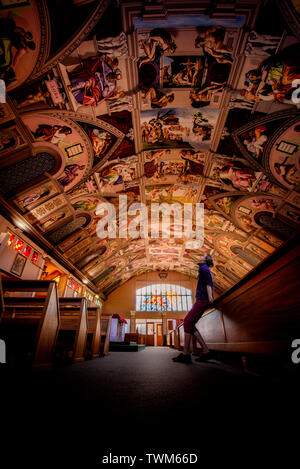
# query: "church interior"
x,y
108,110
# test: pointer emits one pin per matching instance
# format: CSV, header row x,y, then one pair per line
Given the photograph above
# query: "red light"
x,y
10,241
19,245
35,257
27,251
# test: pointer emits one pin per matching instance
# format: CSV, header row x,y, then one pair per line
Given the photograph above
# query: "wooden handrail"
x,y
261,313
27,285
48,320
95,315
107,332
280,252
79,307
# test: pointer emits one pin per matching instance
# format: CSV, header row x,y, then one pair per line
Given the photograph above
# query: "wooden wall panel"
x,y
269,310
262,313
211,327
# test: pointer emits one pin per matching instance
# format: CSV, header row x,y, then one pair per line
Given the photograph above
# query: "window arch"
x,y
276,226
246,255
163,297
25,171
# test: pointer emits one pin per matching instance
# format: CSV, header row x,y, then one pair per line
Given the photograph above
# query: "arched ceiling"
x,y
162,103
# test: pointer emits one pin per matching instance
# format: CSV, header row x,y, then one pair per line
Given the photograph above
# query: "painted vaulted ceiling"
x,y
161,101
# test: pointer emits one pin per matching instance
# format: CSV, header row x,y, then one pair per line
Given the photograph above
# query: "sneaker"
x,y
204,357
181,358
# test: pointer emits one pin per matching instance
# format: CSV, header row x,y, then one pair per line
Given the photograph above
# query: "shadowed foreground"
x,y
131,403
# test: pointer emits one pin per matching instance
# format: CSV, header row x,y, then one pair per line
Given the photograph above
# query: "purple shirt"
x,y
204,278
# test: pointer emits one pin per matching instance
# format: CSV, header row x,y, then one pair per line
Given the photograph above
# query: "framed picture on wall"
x,y
18,265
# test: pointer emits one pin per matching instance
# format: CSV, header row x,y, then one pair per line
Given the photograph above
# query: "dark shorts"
x,y
193,315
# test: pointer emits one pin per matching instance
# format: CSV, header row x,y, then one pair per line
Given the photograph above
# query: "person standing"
x,y
204,297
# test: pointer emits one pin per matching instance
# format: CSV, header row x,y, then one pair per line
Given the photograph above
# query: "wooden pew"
x,y
30,325
168,339
131,337
180,333
105,333
94,332
134,337
176,338
261,314
72,336
172,338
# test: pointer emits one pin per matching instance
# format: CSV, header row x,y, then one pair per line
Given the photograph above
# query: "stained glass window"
x,y
163,297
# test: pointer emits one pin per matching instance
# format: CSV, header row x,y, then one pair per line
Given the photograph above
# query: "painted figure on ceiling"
x,y
94,80
101,141
152,131
71,172
216,76
119,101
261,44
197,156
14,43
181,72
158,43
263,204
201,127
39,97
6,142
117,174
114,46
225,203
203,96
190,73
158,98
288,171
212,42
293,215
52,219
273,79
52,133
235,175
256,140
34,196
86,205
237,100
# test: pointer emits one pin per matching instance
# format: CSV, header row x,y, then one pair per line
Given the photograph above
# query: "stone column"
x,y
62,285
164,327
132,322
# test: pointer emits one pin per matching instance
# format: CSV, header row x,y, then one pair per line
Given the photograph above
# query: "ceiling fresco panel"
x,y
164,104
24,40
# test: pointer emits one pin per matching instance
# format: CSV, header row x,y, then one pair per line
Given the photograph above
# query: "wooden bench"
x,y
131,337
105,334
29,325
168,339
134,337
176,338
260,314
94,332
172,338
73,329
180,339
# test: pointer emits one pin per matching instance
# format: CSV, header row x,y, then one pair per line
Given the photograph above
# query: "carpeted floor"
x,y
129,403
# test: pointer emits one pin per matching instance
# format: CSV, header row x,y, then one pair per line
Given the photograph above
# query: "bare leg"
x,y
187,343
194,345
201,341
